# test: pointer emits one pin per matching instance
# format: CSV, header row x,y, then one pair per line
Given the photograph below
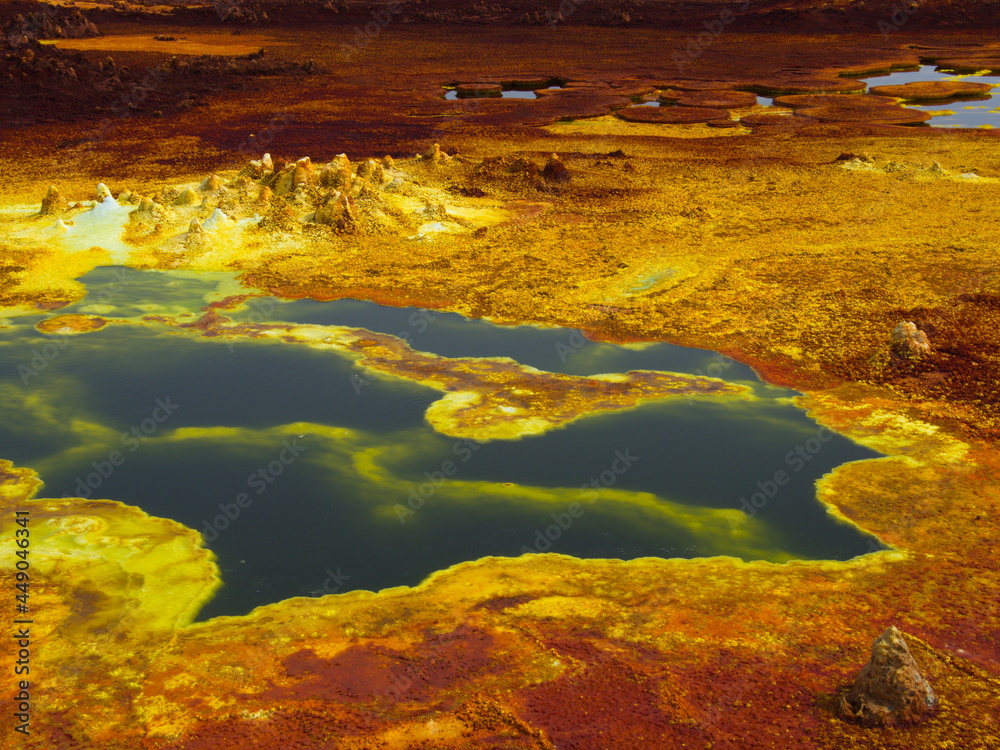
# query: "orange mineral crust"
x,y
36,279
71,324
484,398
931,90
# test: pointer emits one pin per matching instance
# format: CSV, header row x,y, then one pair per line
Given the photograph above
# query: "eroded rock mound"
x,y
49,23
240,11
503,167
909,342
336,210
848,156
52,202
435,155
890,688
554,170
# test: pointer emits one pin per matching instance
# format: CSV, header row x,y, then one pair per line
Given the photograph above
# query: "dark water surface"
x,y
345,487
552,349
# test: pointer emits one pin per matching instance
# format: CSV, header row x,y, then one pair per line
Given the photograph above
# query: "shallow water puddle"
x,y
951,113
309,475
962,113
507,93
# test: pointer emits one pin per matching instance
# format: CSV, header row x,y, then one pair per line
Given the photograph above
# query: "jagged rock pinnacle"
x,y
909,342
186,198
435,154
372,171
890,688
303,172
337,174
52,203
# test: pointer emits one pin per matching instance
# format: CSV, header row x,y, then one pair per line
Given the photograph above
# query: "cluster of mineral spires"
x,y
341,195
369,196
50,23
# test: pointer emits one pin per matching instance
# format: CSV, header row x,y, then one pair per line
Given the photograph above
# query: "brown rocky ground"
x,y
756,15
